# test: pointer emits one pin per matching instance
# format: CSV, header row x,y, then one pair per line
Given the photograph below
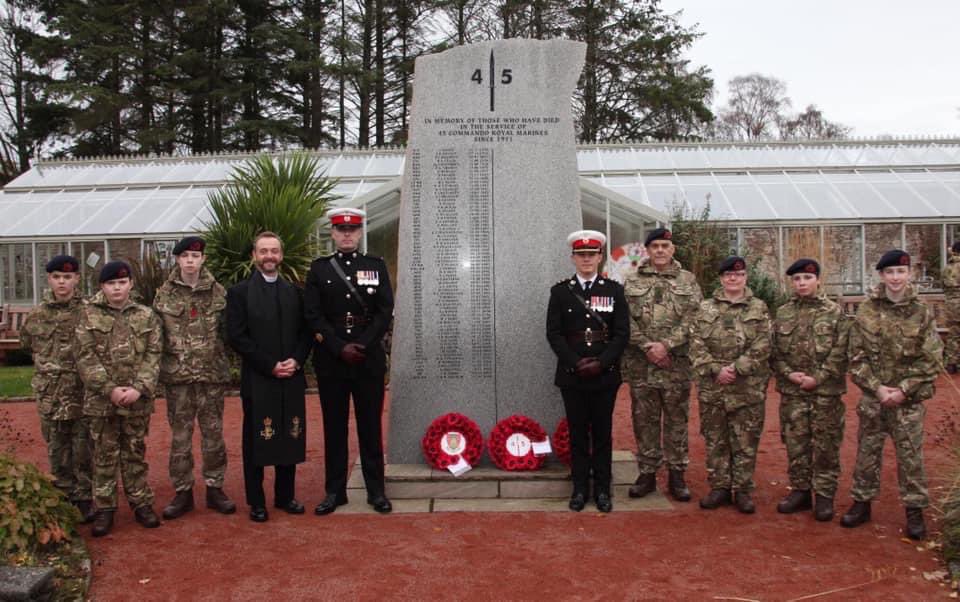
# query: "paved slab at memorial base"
x,y
419,488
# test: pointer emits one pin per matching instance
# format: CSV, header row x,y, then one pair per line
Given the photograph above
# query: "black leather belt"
x,y
588,336
352,321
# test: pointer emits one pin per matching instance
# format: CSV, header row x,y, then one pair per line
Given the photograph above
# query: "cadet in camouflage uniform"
x,y
663,298
951,293
193,371
895,355
49,333
730,351
809,361
119,346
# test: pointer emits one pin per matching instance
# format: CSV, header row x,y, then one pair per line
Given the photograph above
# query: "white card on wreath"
x,y
459,467
542,448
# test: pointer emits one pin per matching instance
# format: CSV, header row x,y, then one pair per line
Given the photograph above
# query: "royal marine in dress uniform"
x,y
951,294
349,305
730,351
809,361
193,371
895,355
49,333
587,327
663,298
119,346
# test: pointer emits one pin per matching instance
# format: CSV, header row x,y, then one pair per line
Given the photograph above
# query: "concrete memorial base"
x,y
418,488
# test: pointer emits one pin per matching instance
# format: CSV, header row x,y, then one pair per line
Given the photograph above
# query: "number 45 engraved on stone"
x,y
506,78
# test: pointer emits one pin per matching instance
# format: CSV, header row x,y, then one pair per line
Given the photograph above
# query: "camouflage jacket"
x,y
662,305
738,333
118,347
951,276
49,333
810,336
193,329
894,344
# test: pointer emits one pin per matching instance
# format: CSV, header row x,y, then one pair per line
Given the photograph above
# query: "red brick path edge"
x,y
682,554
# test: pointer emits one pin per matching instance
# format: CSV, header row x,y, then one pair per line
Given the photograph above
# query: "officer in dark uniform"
x,y
349,304
588,325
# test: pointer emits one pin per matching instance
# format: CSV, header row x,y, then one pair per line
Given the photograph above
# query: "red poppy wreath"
x,y
511,444
449,438
561,441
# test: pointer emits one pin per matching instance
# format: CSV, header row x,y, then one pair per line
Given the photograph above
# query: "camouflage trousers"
x,y
904,424
119,442
951,352
203,403
732,437
811,428
653,406
69,451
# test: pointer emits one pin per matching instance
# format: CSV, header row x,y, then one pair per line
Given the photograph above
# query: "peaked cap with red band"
x,y
586,241
346,216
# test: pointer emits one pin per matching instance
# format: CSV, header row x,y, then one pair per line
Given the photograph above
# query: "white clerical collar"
x,y
270,279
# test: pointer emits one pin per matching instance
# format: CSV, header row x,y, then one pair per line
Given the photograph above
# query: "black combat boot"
x,y
823,508
744,502
715,499
86,510
218,500
102,523
181,504
916,529
645,483
678,486
146,516
858,514
796,500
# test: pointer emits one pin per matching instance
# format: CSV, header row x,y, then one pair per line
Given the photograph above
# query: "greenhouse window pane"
x,y
652,159
183,211
825,200
588,160
938,195
620,159
904,201
386,166
76,208
723,158
923,244
615,181
350,166
759,157
747,202
666,198
842,266
150,173
155,203
787,202
688,158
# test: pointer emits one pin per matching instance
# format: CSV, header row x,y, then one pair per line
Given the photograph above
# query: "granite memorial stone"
x,y
490,191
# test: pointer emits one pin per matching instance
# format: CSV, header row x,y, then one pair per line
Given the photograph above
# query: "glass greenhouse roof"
x,y
743,182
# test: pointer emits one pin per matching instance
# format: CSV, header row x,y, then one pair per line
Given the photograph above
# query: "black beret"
x,y
658,234
190,243
115,270
734,263
808,266
892,258
63,263
956,247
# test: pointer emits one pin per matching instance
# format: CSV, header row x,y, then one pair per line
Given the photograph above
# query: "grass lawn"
x,y
15,381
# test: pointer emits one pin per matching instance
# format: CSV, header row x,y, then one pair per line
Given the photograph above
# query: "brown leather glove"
x,y
589,367
353,353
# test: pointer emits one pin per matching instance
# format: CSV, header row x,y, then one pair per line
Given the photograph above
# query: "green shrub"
x,y
33,512
701,244
764,287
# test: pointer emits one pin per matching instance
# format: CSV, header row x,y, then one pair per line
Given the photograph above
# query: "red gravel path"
x,y
684,553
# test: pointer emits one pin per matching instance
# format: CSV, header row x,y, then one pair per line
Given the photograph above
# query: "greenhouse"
x,y
843,202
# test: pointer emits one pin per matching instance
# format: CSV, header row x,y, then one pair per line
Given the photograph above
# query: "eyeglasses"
x,y
739,274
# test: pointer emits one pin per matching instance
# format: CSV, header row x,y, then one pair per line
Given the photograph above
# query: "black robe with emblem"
x,y
265,325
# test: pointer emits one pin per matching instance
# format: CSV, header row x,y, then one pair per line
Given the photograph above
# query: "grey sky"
x,y
881,66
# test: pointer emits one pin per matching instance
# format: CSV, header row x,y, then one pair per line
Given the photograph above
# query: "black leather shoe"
x,y
102,522
715,499
381,504
823,508
858,514
181,503
258,514
86,511
577,502
677,486
744,502
329,504
645,483
218,500
291,507
146,517
604,503
916,529
795,501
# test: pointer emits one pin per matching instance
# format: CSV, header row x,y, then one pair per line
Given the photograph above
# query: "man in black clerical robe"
x,y
265,326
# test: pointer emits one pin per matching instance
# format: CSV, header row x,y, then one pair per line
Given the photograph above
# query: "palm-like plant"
x,y
287,195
